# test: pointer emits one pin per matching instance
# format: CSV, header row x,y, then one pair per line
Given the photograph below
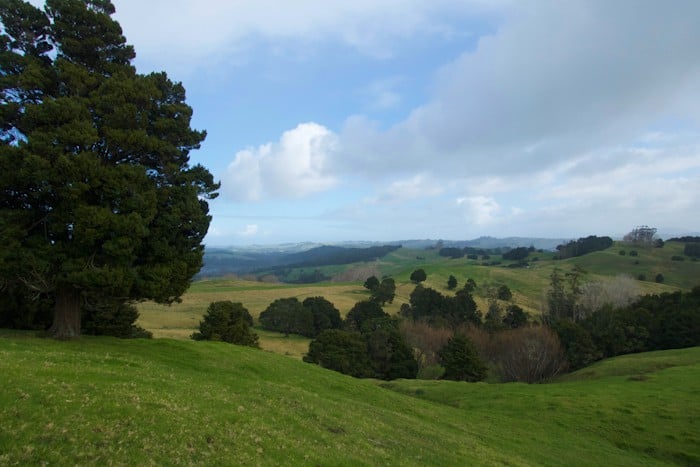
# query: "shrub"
x,y
418,276
112,319
504,293
228,322
677,258
659,278
342,351
452,282
528,355
461,360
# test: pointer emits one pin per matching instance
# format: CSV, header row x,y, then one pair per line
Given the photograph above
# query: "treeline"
x,y
651,322
583,246
686,239
470,252
334,255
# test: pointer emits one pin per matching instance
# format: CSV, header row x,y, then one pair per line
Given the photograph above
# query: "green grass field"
x,y
162,401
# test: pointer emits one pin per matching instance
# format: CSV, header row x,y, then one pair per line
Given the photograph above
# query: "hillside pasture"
x,y
163,402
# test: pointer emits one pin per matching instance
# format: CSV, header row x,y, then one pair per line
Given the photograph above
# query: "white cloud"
x,y
199,30
481,210
556,81
250,230
419,186
294,167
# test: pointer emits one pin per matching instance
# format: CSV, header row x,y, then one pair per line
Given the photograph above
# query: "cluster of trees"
x,y
583,246
99,205
368,345
308,318
518,254
642,235
428,305
471,252
601,320
692,250
381,292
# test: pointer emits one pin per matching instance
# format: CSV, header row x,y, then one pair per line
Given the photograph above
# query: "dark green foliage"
x,y
692,249
383,353
288,316
654,322
470,285
112,319
634,253
325,314
659,278
451,252
452,282
385,291
461,361
21,309
515,317
517,254
391,357
228,322
329,255
583,246
677,258
429,305
493,320
418,276
579,348
622,253
98,197
371,283
617,332
685,239
362,312
504,293
675,319
342,351
562,296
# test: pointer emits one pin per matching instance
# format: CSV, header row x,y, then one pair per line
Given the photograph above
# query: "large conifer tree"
x,y
98,201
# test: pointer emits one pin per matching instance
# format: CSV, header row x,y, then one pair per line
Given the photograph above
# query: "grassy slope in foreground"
x,y
102,400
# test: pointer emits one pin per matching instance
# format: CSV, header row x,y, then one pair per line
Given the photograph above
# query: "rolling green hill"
x,y
527,284
108,401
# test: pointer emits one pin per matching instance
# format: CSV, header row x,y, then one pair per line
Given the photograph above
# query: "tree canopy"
x,y
98,200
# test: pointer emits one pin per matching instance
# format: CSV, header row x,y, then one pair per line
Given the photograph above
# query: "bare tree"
x,y
641,235
618,292
425,340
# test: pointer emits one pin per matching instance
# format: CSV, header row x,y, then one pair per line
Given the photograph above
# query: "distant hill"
x,y
256,258
220,261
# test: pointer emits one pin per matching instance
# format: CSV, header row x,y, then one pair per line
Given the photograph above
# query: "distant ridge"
x,y
220,261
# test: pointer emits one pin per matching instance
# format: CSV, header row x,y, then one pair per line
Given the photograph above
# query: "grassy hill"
x,y
102,400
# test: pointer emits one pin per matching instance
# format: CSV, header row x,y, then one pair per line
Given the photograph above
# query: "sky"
x,y
448,119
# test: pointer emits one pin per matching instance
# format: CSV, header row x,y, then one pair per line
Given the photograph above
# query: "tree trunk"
x,y
67,314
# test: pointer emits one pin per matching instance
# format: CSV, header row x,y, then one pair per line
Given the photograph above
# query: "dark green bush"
x,y
228,322
461,361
